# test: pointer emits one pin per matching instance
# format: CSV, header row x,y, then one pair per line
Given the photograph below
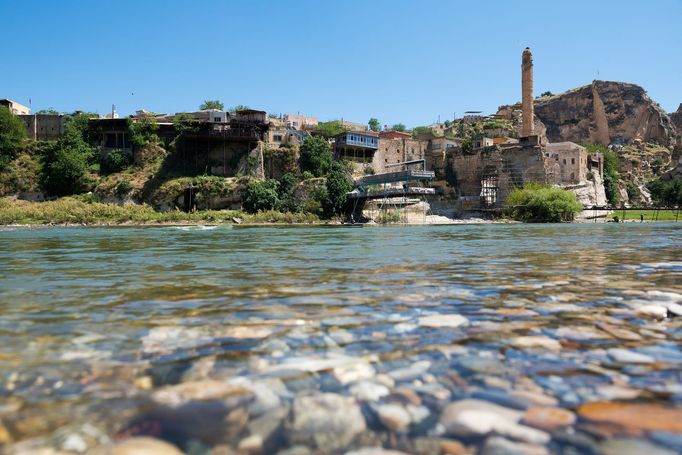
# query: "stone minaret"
x,y
527,128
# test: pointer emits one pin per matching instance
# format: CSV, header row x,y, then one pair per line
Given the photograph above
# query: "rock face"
x,y
676,117
606,112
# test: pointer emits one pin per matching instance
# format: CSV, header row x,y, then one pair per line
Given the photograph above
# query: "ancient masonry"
x,y
527,93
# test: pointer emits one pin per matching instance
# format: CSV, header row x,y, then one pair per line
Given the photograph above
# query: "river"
x,y
419,339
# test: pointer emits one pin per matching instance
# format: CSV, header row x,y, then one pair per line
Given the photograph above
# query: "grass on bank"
x,y
70,210
649,215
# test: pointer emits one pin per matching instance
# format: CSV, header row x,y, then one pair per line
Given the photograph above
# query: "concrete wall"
x,y
43,127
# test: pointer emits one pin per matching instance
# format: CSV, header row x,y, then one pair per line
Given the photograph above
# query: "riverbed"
x,y
426,339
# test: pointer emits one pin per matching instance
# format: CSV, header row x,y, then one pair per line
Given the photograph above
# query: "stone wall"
x,y
566,163
392,151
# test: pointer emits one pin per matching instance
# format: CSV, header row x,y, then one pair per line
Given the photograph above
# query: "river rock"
x,y
475,418
405,396
647,417
495,445
536,342
632,447
144,446
548,419
411,372
618,332
394,417
208,389
627,356
443,320
369,391
375,451
654,311
325,420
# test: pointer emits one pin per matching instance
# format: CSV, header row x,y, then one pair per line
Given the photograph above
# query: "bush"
x,y
338,184
261,195
12,134
542,204
123,188
115,161
666,193
65,173
388,216
632,190
286,193
307,175
316,156
142,132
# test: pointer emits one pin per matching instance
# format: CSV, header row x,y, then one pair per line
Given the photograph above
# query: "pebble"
x,y
5,436
394,417
632,447
495,445
548,419
443,320
474,418
412,372
208,389
253,443
620,333
536,342
654,311
144,446
369,391
324,420
405,396
449,447
646,417
502,398
374,451
627,356
353,372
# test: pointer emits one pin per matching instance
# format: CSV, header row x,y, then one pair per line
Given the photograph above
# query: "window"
x,y
216,119
564,160
572,160
277,138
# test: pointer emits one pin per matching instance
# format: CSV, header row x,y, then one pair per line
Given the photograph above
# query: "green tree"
x,y
666,193
330,129
115,161
66,165
542,204
316,156
547,93
49,110
211,104
419,130
399,127
338,184
12,135
286,193
142,132
374,125
239,107
261,195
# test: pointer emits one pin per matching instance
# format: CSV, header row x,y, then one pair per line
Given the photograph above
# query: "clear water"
x,y
85,312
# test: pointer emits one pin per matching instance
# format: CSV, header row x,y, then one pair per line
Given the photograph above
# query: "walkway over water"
x,y
394,177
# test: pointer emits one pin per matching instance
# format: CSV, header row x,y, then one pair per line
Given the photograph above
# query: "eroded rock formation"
x,y
605,113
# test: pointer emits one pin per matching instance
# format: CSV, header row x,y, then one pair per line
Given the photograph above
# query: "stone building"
x,y
44,127
299,122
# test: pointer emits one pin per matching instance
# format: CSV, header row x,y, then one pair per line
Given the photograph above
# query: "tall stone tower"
x,y
527,128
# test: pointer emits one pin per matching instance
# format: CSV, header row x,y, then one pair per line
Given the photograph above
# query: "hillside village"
x,y
606,142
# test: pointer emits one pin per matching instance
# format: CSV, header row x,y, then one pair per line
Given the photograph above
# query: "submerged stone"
x,y
324,421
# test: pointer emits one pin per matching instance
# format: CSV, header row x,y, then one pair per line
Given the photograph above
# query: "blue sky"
x,y
397,60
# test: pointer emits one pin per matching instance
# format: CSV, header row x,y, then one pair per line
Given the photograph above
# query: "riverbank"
x,y
74,211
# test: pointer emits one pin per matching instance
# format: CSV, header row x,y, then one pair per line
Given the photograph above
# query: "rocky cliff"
x,y
676,117
606,113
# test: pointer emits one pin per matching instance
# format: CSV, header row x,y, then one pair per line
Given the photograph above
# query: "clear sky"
x,y
397,60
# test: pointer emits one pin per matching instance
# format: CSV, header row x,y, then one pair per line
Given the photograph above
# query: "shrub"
x,y
65,173
388,216
286,193
115,161
123,188
261,195
12,134
667,193
542,204
316,156
338,184
632,190
142,132
307,175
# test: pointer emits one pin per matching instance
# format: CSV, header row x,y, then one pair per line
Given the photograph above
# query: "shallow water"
x,y
94,322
